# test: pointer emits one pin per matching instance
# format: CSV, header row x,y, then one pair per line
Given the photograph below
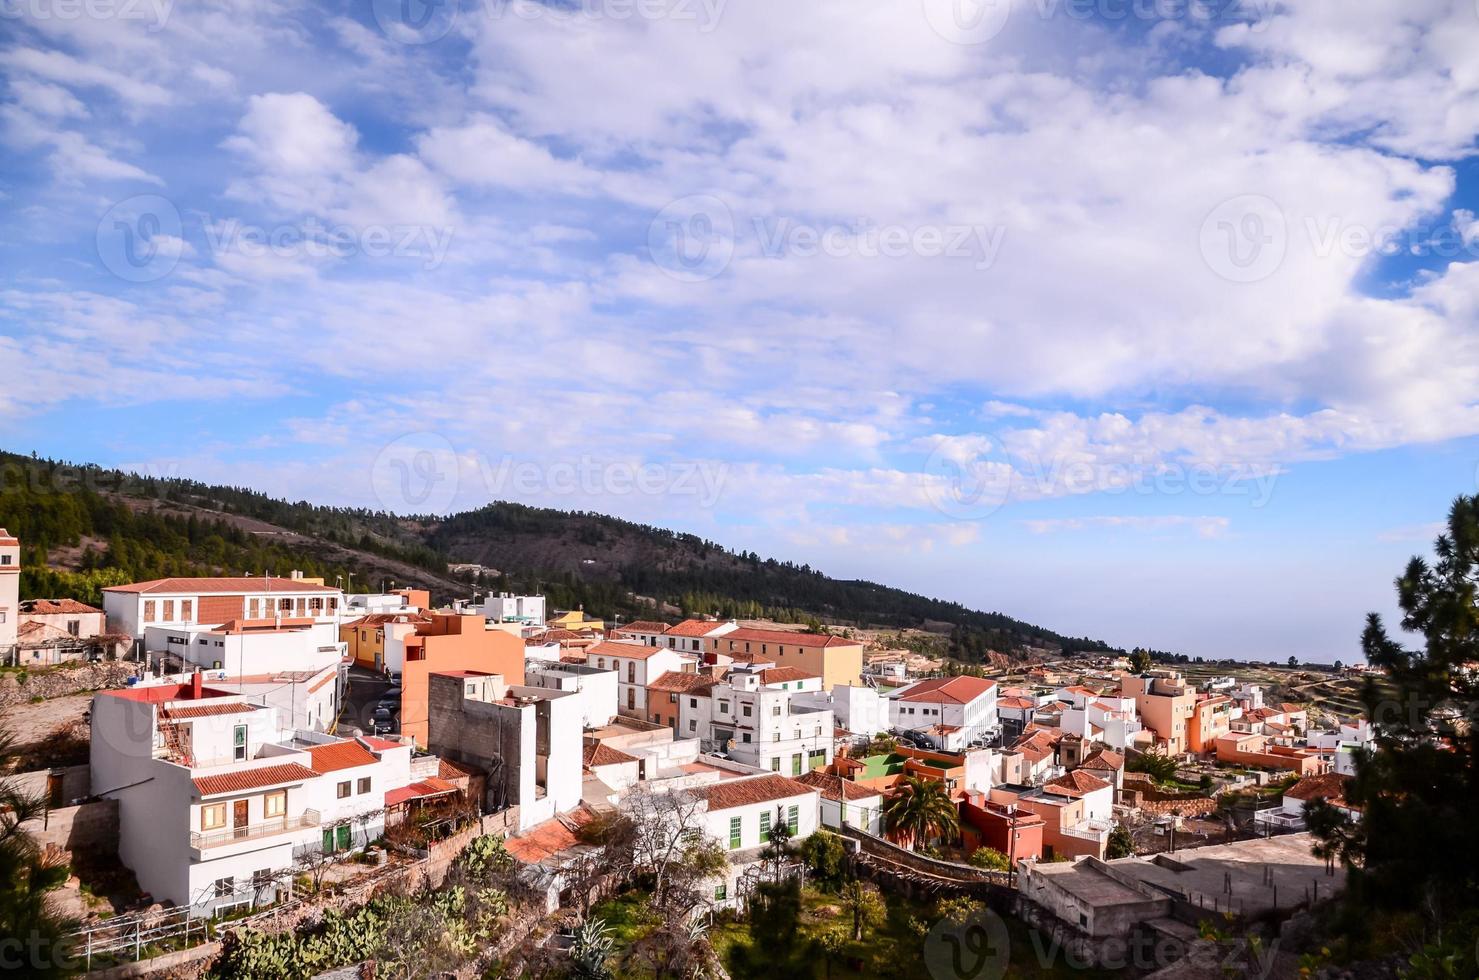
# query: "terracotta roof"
x,y
1104,760
631,651
545,840
347,754
695,627
430,786
777,675
380,744
231,586
947,690
1329,786
641,626
678,682
1075,783
601,754
206,710
37,632
158,693
786,637
383,619
245,779
54,607
1016,702
834,787
745,792
6,538
449,770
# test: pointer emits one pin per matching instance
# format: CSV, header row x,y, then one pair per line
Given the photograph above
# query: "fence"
x,y
132,934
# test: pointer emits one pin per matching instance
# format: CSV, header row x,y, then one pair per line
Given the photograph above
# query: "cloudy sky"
x,y
1151,320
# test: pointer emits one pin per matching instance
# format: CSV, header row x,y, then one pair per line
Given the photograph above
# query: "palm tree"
x,y
26,909
920,810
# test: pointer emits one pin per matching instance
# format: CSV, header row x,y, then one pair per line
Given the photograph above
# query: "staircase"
x,y
174,746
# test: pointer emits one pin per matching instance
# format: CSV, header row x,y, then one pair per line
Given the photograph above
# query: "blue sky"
x,y
1152,322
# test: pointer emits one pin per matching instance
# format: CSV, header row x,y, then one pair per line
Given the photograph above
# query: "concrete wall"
x,y
76,782
90,827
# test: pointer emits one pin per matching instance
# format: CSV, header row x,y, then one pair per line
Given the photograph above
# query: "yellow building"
x,y
365,636
835,659
575,620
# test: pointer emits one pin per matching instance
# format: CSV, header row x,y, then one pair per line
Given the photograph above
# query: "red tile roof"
x,y
6,539
54,607
430,786
778,675
745,792
206,710
1104,760
602,754
787,638
545,840
157,693
1016,702
678,682
947,690
833,787
347,754
230,586
641,626
1330,786
247,779
1075,783
695,627
380,744
631,651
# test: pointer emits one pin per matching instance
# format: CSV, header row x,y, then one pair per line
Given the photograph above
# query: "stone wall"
x,y
76,782
17,688
91,826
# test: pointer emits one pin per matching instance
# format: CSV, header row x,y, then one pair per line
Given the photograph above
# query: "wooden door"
x,y
239,817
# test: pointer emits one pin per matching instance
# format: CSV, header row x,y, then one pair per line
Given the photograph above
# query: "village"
x,y
230,757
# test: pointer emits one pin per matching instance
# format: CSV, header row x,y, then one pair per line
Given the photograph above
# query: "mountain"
x,y
86,527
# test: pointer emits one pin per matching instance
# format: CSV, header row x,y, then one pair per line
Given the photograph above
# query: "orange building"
x,y
1013,830
448,642
1250,749
1165,703
1211,718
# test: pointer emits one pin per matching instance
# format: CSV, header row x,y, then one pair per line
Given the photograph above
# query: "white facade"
x,y
636,666
952,713
216,803
243,652
1111,720
363,604
859,710
505,607
10,584
595,687
763,727
214,601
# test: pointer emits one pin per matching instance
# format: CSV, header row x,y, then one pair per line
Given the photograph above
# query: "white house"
x,y
741,813
695,635
10,584
1111,720
951,712
214,601
636,665
762,724
845,803
1343,744
1288,816
596,687
217,804
643,631
505,607
861,711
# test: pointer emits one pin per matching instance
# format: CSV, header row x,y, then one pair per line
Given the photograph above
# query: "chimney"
x,y
195,685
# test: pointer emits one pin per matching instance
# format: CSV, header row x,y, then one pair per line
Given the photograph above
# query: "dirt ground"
x,y
33,723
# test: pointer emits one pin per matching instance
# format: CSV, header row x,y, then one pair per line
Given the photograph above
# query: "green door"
x,y
328,842
342,832
796,764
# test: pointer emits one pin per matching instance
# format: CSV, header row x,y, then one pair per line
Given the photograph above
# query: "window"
x,y
254,609
775,764
775,736
672,699
5,559
765,826
775,712
148,610
169,610
601,662
364,785
275,804
745,736
734,832
724,707
261,879
187,610
212,816
344,790
745,711
285,605
225,886
631,697
693,702
692,725
720,893
333,603
239,743
74,627
631,673
793,818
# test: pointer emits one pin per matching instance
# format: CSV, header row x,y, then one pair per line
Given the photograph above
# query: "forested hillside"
x,y
84,527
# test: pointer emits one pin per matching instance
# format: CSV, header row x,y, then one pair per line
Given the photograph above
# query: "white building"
x,y
10,585
845,803
1111,720
643,631
759,724
217,804
861,711
695,635
594,686
950,712
1288,816
741,813
636,665
527,741
505,607
214,601
1343,744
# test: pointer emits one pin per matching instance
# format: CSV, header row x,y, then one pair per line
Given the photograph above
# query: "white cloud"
x,y
1204,527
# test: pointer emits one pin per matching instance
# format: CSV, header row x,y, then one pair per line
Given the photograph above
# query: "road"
x,y
365,689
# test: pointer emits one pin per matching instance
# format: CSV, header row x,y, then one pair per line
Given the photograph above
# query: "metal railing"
x,y
265,828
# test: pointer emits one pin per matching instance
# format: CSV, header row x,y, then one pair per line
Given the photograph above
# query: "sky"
x,y
1148,320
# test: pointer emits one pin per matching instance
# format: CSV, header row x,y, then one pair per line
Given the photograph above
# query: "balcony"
x,y
200,842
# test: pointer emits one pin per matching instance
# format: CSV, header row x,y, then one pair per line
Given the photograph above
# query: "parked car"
x,y
385,721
